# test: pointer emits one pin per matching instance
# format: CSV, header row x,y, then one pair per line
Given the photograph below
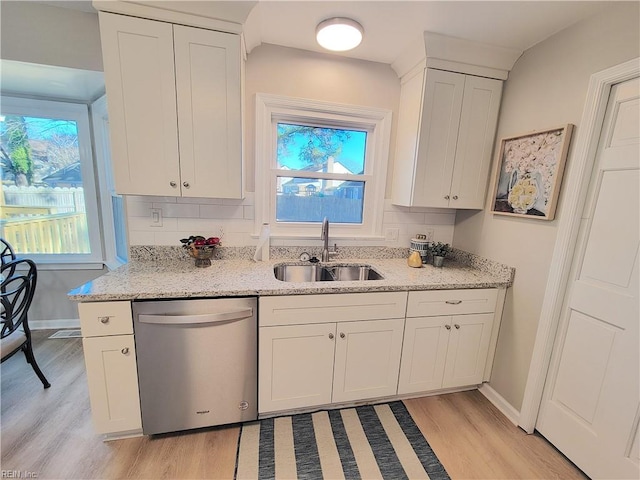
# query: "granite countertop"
x,y
168,274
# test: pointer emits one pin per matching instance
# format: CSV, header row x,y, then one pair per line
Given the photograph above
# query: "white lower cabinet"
x,y
307,365
110,359
447,351
295,366
444,352
315,362
113,383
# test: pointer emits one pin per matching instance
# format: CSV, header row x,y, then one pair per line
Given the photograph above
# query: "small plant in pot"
x,y
438,251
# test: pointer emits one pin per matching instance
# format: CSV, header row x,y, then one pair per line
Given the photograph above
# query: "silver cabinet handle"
x,y
455,197
185,184
104,319
125,350
448,327
457,326
173,184
342,335
446,197
453,302
331,336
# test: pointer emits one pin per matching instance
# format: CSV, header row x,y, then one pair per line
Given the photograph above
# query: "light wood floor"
x,y
49,433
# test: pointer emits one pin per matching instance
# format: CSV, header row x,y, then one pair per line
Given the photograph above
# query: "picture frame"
x,y
529,173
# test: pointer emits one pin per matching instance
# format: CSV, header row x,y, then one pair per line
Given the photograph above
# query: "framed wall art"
x,y
529,173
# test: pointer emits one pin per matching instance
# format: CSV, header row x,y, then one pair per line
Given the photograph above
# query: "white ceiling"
x,y
391,28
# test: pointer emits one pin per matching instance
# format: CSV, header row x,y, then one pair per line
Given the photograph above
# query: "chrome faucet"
x,y
326,254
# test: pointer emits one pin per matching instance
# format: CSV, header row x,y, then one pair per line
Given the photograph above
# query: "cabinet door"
x,y
367,359
438,138
295,367
424,353
404,167
478,121
140,83
209,112
113,383
467,351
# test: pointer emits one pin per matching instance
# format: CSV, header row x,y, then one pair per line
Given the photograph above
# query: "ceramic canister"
x,y
420,245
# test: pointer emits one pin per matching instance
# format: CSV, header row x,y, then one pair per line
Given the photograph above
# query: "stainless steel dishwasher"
x,y
197,362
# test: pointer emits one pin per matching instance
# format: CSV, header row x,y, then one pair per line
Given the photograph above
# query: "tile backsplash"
x,y
233,221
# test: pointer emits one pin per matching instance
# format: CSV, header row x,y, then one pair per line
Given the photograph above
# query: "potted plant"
x,y
439,250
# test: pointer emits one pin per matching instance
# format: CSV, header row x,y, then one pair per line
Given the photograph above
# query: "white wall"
x,y
47,35
296,73
546,88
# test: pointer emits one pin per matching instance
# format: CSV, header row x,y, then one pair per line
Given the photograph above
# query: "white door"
x,y
480,106
295,366
424,352
208,99
467,351
112,377
591,404
141,99
367,359
438,138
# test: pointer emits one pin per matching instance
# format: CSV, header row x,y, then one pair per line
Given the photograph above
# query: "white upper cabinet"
x,y
174,99
446,129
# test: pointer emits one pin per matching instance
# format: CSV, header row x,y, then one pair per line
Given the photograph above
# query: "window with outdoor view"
x,y
317,159
47,177
324,168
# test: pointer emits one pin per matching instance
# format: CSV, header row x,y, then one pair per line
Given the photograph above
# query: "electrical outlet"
x,y
429,234
156,217
391,234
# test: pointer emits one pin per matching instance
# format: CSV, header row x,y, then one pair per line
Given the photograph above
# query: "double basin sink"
x,y
314,272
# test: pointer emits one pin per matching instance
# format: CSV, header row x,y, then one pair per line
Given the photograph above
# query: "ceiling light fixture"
x,y
339,34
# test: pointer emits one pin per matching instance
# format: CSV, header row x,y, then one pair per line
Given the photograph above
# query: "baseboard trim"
x,y
500,403
54,324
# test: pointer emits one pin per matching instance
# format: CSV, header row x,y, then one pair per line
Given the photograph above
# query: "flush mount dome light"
x,y
339,34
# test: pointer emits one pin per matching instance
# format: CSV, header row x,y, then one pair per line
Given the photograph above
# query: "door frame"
x,y
570,213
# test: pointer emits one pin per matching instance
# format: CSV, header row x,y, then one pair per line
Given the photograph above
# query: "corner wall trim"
x,y
500,403
577,182
54,324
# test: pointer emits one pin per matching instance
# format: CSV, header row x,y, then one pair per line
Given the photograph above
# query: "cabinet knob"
x,y
446,197
125,350
342,335
185,184
453,302
331,336
104,319
455,197
457,326
448,327
173,184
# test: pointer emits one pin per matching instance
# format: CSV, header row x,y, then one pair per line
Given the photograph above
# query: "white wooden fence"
x,y
44,219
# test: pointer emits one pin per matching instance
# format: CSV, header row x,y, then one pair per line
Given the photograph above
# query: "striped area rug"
x,y
367,442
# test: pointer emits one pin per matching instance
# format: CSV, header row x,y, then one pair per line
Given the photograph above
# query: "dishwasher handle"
x,y
197,319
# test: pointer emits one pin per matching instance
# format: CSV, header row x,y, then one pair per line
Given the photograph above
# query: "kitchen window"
x,y
317,159
49,200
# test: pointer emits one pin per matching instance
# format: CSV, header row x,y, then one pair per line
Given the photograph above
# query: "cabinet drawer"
x,y
306,309
105,318
451,302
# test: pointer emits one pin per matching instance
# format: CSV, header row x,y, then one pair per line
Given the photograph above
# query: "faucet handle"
x,y
334,251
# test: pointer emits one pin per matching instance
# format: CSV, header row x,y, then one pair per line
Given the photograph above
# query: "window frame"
x,y
79,113
106,183
274,109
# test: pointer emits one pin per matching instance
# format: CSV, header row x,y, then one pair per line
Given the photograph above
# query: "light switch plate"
x,y
156,217
391,234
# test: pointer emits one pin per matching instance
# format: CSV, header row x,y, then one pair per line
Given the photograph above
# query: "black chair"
x,y
18,285
6,252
